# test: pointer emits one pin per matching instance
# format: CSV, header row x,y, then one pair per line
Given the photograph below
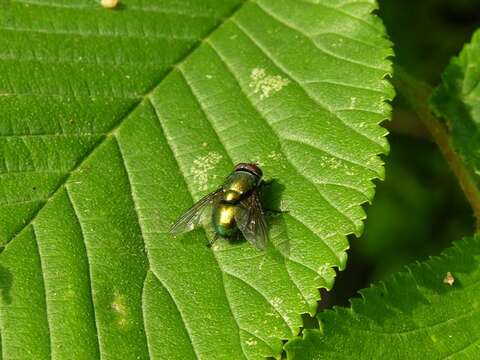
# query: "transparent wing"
x,y
196,214
251,221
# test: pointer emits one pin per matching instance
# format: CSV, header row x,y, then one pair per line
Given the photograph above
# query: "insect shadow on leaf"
x,y
271,196
6,280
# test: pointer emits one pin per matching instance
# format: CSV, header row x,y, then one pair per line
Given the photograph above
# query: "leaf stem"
x,y
417,94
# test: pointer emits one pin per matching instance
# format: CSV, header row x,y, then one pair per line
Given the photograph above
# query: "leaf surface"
x,y
115,121
415,314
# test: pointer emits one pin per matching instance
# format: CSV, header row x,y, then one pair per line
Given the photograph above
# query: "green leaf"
x,y
114,121
415,314
457,100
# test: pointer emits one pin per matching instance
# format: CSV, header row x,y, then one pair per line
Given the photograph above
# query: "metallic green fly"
x,y
234,207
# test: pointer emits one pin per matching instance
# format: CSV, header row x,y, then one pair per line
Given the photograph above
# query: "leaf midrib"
x,y
151,9
121,120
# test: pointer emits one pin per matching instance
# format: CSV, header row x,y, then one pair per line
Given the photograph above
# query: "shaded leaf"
x,y
114,121
457,100
429,311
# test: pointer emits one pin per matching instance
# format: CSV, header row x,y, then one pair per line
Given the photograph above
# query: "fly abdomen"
x,y
232,197
223,219
238,186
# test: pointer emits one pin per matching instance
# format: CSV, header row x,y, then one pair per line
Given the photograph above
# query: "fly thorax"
x,y
238,185
231,196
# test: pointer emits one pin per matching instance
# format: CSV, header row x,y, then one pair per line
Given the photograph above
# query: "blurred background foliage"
x,y
419,209
427,33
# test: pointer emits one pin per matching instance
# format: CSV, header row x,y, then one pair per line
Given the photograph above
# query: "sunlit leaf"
x,y
114,121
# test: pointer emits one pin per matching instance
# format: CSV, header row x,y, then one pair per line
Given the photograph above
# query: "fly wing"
x,y
251,221
196,214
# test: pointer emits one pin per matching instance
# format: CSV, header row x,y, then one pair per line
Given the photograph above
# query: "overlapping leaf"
x,y
457,100
113,122
430,311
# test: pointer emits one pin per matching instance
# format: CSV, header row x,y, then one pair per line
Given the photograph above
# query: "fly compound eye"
x,y
250,167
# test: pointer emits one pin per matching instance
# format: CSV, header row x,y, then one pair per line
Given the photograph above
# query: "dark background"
x,y
419,209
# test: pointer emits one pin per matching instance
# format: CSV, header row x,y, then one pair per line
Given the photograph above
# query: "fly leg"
x,y
238,236
210,243
274,211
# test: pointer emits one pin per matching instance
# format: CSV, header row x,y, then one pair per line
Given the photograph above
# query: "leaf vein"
x,y
98,62
107,35
42,271
187,328
460,351
306,91
223,145
89,269
306,144
347,14
279,138
448,321
366,43
261,294
148,9
317,45
344,84
139,221
215,257
122,119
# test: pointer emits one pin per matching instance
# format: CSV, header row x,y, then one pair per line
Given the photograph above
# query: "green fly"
x,y
234,207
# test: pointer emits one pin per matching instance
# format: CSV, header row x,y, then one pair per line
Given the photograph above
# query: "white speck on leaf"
x,y
353,102
119,308
275,155
261,263
273,314
276,301
449,279
371,160
251,342
109,4
118,304
258,161
332,162
266,84
325,271
202,166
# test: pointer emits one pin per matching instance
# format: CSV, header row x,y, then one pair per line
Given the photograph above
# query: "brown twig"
x,y
417,95
405,122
